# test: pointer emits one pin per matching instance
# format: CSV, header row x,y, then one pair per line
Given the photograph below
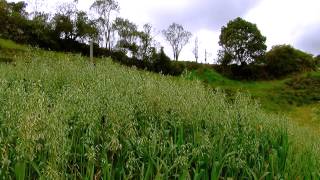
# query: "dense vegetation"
x,y
285,60
62,117
70,30
242,43
278,96
242,55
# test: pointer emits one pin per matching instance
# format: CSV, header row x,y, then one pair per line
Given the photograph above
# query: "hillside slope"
x,y
297,97
63,118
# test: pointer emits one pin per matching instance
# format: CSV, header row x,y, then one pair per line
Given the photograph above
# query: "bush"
x,y
317,60
283,60
176,68
280,61
248,72
195,66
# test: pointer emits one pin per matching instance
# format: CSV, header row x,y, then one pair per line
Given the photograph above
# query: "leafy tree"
x,y
4,18
85,28
177,37
146,40
105,8
317,59
63,26
283,60
161,62
128,33
241,42
71,24
40,31
13,20
224,58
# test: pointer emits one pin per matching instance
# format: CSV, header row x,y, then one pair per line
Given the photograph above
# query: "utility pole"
x,y
205,56
196,50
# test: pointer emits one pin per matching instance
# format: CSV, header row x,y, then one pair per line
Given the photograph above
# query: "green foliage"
x,y
161,62
104,8
277,95
71,24
62,118
283,60
128,33
303,90
10,45
146,48
68,27
12,20
317,60
241,42
207,75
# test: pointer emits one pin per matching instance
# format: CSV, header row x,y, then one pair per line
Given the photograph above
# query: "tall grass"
x,y
62,118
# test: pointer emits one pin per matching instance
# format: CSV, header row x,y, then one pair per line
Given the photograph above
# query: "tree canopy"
x,y
104,8
241,42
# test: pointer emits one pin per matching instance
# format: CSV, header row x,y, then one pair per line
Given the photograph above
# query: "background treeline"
x,y
71,30
279,62
243,54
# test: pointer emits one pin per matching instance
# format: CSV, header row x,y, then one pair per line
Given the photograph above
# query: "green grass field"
x,y
63,118
287,96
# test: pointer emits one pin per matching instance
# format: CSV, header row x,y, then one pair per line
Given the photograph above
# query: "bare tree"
x,y
196,49
36,6
177,37
105,8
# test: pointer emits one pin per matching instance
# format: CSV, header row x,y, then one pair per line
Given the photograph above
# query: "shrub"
x,y
317,60
248,72
176,68
302,90
284,60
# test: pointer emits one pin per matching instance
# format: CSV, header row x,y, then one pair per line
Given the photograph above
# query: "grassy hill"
x,y
63,118
297,96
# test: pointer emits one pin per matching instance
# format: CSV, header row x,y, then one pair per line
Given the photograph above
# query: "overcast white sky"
x,y
295,22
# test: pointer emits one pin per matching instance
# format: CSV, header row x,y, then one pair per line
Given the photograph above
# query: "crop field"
x,y
63,118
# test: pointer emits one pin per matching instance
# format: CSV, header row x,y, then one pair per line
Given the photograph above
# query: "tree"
x,y
13,20
196,49
177,37
40,30
317,60
71,24
63,26
241,42
36,5
146,40
161,63
128,33
85,28
105,8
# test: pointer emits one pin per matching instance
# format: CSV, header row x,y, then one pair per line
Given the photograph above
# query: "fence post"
x,y
91,51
